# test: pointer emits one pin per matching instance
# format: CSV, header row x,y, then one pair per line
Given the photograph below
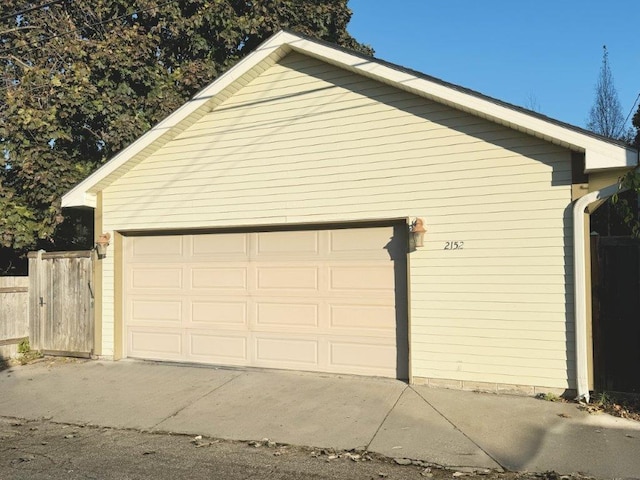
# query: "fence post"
x,y
36,299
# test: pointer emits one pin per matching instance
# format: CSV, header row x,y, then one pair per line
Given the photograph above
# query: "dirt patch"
x,y
32,357
41,449
618,405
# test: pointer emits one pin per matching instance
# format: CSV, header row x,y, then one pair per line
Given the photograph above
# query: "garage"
x,y
328,300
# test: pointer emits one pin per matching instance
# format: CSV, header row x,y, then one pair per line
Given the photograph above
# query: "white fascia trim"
x,y
79,198
599,154
580,285
600,160
82,194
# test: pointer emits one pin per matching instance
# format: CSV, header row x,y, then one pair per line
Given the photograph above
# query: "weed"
x,y
549,397
26,355
24,347
602,399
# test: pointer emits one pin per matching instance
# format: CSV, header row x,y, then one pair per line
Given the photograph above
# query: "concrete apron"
x,y
446,427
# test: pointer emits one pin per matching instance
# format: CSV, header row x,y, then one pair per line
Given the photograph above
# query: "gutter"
x,y
580,284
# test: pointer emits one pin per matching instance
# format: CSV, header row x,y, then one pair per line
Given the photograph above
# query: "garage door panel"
x,y
170,247
230,245
371,243
155,343
286,352
362,278
163,310
217,348
286,313
287,278
287,244
361,356
216,278
219,313
365,319
151,279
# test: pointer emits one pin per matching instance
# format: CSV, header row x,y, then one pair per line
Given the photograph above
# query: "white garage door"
x,y
320,300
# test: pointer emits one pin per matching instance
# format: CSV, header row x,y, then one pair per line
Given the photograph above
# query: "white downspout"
x,y
580,285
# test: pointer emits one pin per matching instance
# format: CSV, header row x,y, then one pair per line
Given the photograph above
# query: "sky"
x,y
544,54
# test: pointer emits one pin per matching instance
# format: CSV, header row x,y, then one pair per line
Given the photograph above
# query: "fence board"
x,y
14,314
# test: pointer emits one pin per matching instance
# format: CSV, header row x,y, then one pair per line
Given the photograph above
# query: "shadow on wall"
x,y
448,117
397,248
569,295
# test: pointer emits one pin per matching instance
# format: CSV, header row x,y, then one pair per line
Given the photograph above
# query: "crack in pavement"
x,y
458,429
386,416
196,400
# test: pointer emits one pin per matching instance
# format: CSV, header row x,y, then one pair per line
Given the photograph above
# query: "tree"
x,y
635,121
532,103
606,117
81,79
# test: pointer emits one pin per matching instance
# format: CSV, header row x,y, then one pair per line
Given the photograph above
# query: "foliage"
x,y
635,121
23,346
549,397
606,117
26,355
627,211
82,79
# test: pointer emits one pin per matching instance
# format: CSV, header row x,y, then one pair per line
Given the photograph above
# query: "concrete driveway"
x,y
445,427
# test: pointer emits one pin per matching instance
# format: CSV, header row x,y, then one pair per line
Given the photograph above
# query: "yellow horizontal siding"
x,y
499,296
503,350
502,361
489,343
433,301
444,184
448,196
454,285
453,311
499,325
489,333
305,142
473,163
522,202
536,376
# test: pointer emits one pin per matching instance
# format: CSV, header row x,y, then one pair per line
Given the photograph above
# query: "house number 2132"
x,y
454,245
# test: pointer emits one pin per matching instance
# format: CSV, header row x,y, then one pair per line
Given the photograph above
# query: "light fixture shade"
x,y
101,245
418,239
417,232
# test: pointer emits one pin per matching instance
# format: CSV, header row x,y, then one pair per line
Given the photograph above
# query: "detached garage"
x,y
273,221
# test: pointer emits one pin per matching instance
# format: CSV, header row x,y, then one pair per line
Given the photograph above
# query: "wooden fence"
x,y
61,302
14,314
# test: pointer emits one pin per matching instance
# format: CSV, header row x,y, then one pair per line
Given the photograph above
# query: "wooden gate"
x,y
61,319
616,314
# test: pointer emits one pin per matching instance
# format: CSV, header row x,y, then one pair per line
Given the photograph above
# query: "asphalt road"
x,y
46,450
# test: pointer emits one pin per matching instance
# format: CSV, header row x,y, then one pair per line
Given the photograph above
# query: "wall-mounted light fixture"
x,y
101,245
416,232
